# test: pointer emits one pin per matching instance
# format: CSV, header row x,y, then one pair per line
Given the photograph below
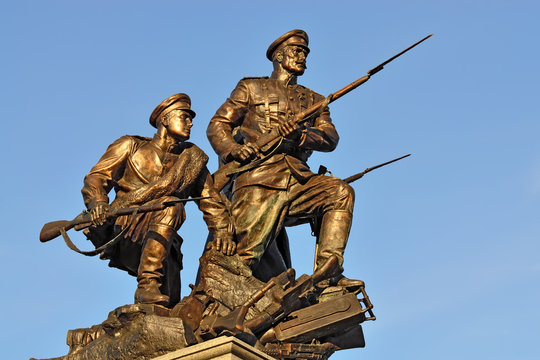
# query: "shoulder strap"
x,y
264,87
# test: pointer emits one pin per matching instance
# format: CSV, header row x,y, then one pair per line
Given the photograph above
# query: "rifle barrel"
x,y
152,207
355,177
345,90
51,230
222,175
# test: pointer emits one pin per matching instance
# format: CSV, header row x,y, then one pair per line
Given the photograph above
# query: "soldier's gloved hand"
x,y
290,130
98,214
223,241
243,153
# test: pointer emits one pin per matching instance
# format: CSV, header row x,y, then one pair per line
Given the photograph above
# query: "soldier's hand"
x,y
290,130
243,153
224,243
98,214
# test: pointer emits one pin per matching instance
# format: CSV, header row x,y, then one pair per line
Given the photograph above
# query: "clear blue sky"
x,y
447,240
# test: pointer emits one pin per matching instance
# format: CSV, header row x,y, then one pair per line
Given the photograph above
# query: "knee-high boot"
x,y
333,236
150,272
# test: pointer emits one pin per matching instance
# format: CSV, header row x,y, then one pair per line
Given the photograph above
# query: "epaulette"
x,y
255,77
140,137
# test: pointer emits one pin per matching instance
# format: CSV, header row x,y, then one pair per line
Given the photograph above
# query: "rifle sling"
x,y
98,250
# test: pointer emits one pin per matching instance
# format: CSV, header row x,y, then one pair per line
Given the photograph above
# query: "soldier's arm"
x,y
101,178
216,213
227,117
322,135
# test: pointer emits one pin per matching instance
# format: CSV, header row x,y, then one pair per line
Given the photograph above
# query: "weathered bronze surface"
x,y
286,317
151,178
277,188
263,134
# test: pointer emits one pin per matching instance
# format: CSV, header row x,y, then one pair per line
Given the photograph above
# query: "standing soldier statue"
x,y
278,188
146,171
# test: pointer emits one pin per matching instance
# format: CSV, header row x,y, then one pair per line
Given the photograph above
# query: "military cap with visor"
x,y
294,37
178,101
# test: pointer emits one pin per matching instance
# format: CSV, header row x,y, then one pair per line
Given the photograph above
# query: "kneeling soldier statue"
x,y
159,170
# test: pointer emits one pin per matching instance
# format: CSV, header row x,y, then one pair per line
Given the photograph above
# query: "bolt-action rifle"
x,y
358,176
315,222
54,229
222,175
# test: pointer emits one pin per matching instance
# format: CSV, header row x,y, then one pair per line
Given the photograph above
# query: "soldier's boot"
x,y
150,270
335,228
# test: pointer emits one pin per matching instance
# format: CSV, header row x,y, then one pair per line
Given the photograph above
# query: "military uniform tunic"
x,y
132,162
282,190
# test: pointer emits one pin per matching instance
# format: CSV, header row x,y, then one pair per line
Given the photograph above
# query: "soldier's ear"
x,y
279,56
165,120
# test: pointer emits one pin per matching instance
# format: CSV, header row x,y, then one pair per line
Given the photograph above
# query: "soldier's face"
x,y
294,59
179,125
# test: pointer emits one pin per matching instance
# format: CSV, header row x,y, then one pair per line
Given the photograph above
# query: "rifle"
x,y
358,176
315,222
222,175
54,229
286,299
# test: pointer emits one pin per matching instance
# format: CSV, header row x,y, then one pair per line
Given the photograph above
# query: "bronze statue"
x,y
150,171
280,189
264,134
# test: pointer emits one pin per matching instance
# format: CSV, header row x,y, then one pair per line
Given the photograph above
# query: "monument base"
x,y
221,348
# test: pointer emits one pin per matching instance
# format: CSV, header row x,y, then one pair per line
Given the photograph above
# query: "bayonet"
x,y
358,176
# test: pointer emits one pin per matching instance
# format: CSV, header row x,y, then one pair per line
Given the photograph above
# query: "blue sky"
x,y
447,240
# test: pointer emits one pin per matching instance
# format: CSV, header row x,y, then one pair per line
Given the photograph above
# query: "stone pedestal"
x,y
221,348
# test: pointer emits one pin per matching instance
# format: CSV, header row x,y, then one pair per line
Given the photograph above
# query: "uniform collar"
x,y
284,78
166,144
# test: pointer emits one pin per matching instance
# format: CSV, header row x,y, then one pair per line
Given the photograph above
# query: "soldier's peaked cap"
x,y
294,37
174,102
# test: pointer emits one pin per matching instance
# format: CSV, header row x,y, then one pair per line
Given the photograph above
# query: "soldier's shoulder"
x,y
138,138
315,94
127,139
251,83
135,139
130,142
255,77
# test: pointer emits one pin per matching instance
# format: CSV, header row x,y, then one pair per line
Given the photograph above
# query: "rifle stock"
x,y
51,230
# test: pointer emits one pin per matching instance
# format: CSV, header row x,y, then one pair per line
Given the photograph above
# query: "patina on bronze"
x,y
222,176
273,125
264,133
285,317
53,229
151,177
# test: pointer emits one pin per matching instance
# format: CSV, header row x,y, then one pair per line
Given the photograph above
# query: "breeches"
x,y
259,213
126,253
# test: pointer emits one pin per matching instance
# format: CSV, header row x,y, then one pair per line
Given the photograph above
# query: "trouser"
x,y
158,226
260,213
156,262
